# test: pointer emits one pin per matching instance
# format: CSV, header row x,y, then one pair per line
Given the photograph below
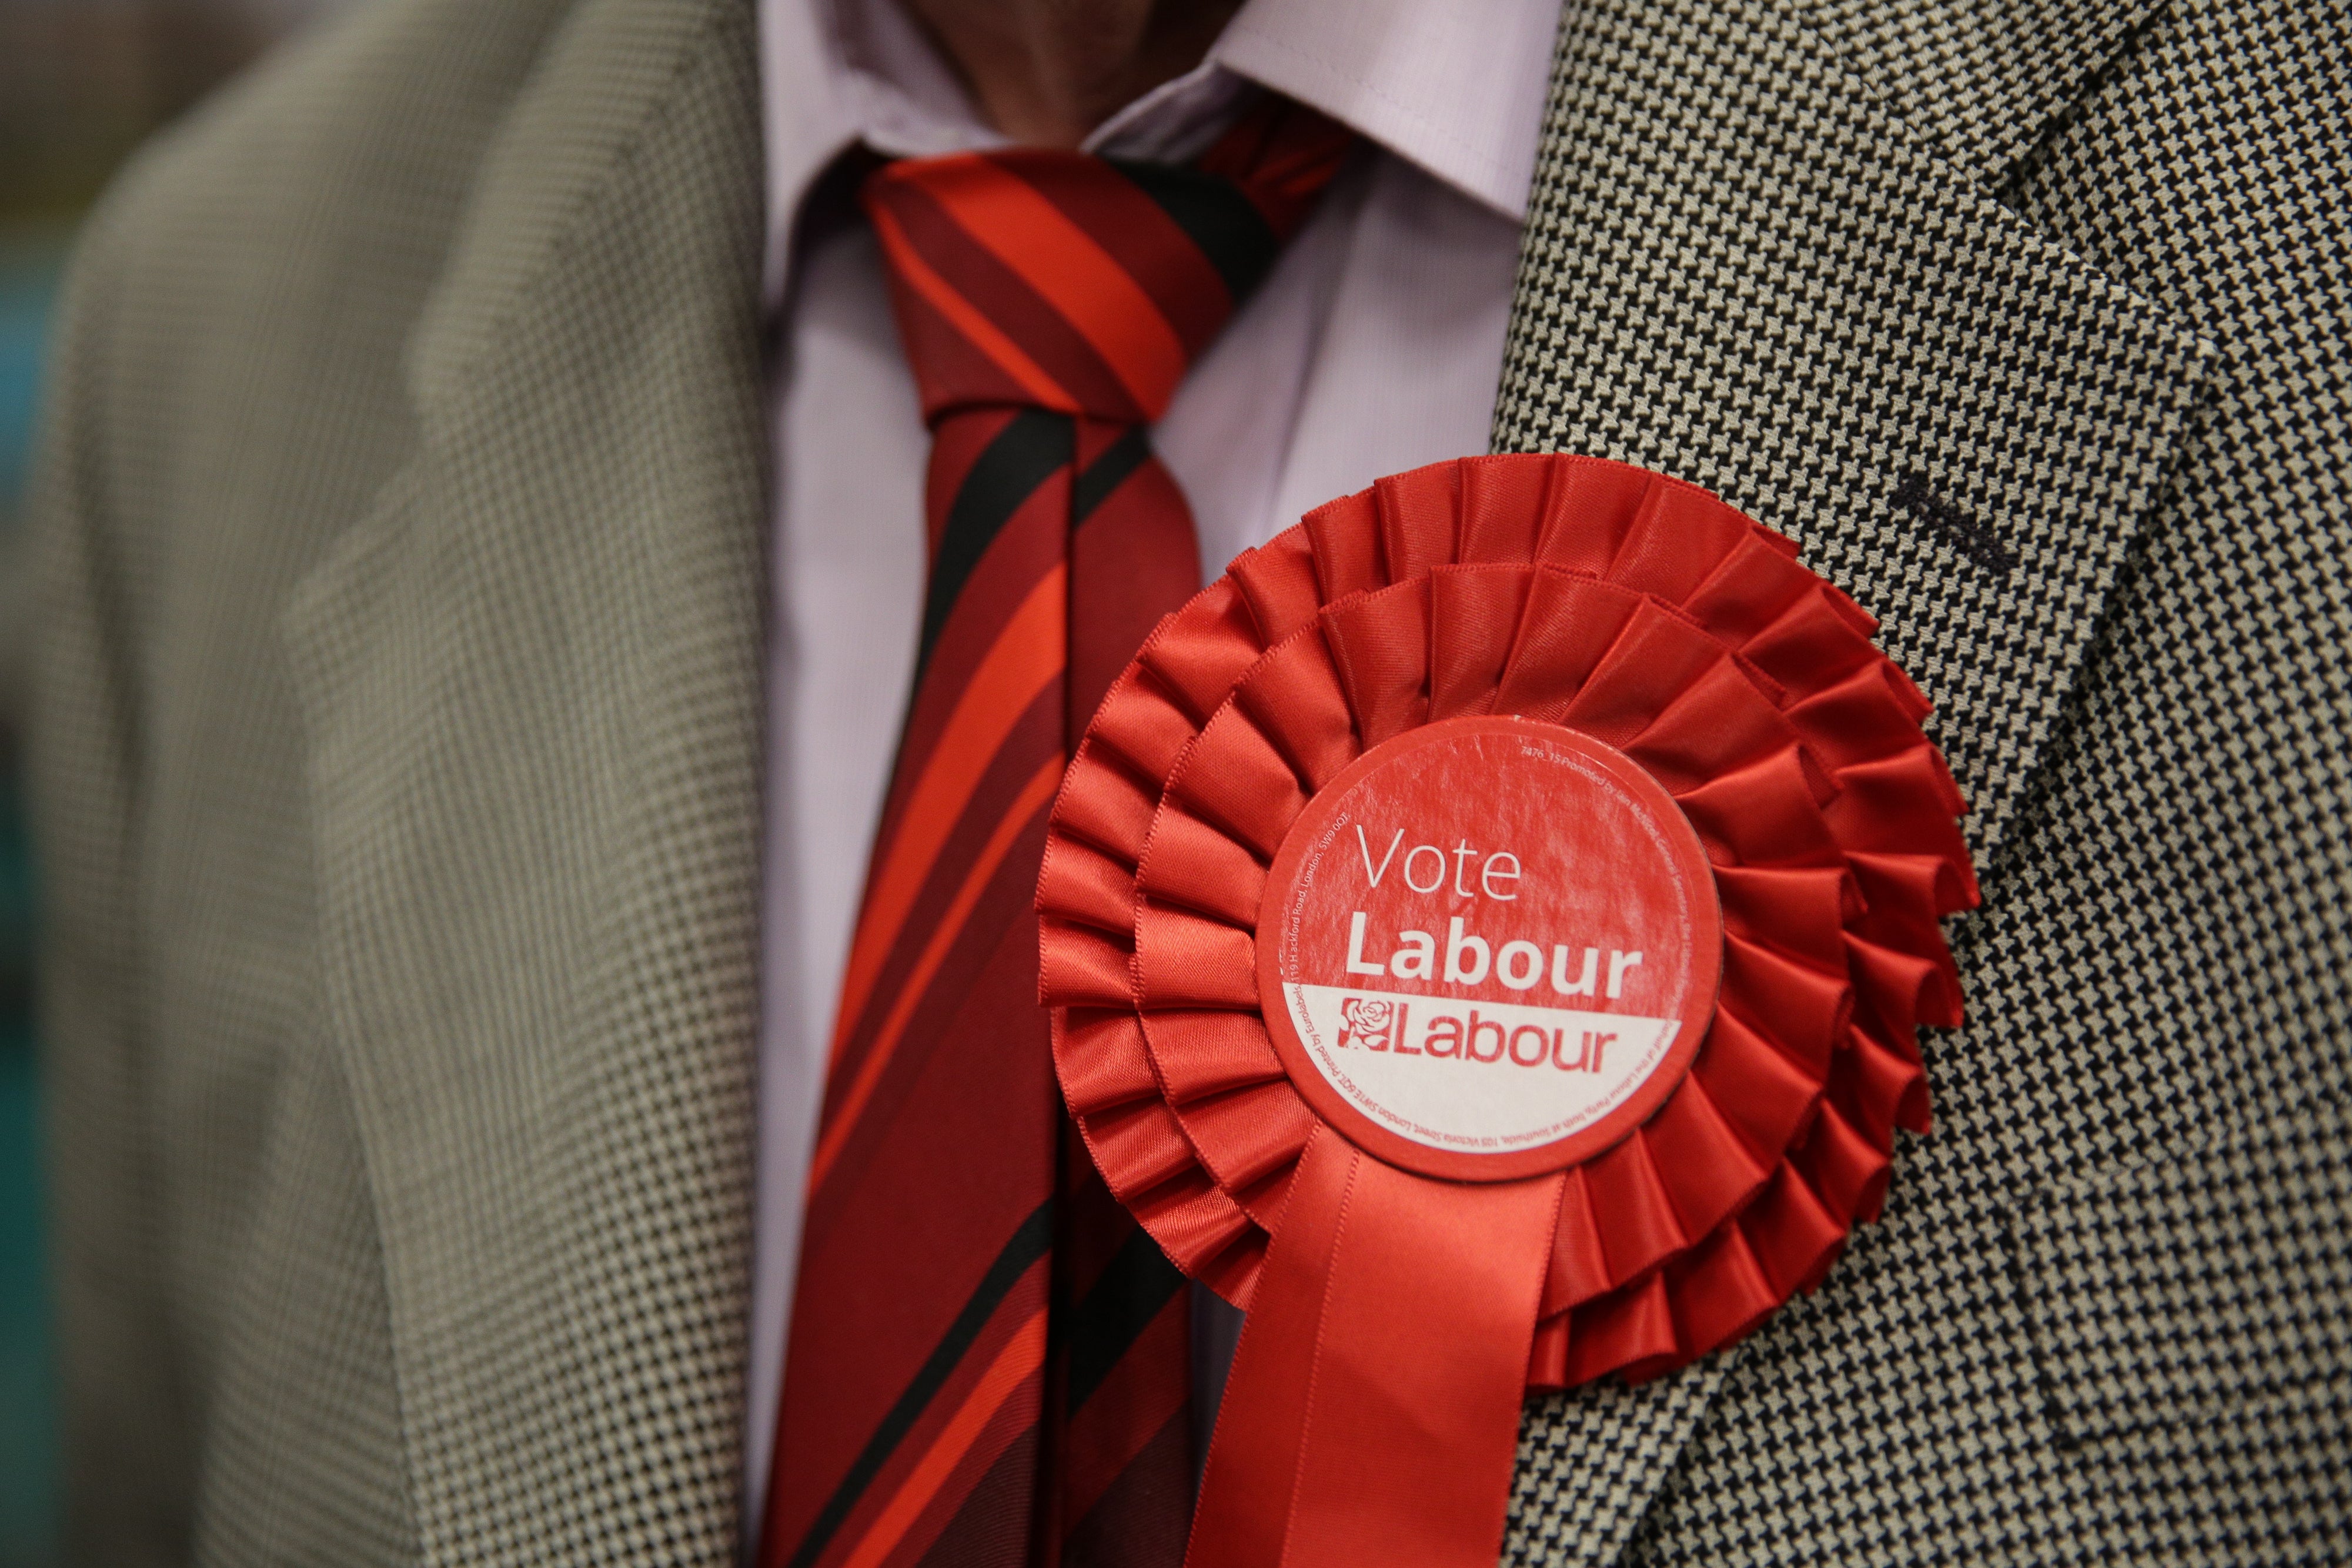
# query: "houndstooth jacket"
x,y
398,769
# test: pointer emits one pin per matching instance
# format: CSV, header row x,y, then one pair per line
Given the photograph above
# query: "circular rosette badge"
x,y
1510,900
1489,948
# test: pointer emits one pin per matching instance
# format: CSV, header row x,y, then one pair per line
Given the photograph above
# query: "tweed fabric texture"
x,y
531,695
1978,83
2142,283
397,771
2128,1273
227,1380
397,752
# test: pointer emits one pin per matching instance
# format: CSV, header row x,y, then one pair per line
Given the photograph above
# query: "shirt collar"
x,y
1455,86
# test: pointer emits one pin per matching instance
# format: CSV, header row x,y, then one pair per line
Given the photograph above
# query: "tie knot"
x,y
1081,284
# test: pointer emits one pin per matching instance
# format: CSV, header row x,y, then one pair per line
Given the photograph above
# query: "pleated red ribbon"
x,y
1401,1304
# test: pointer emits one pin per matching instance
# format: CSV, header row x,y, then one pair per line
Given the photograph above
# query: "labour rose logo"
x,y
1365,1020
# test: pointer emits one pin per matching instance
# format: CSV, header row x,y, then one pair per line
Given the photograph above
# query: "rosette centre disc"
x,y
1489,948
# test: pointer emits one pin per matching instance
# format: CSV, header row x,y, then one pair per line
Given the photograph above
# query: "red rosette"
x,y
1653,622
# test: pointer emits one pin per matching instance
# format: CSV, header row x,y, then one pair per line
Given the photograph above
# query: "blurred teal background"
x,y
28,267
82,82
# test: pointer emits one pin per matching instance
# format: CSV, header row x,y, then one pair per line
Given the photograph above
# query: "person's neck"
x,y
1047,72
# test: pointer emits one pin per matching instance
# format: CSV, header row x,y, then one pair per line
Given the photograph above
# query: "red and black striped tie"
x,y
987,1365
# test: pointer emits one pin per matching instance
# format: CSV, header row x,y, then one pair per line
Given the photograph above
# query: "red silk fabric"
x,y
1391,1410
1652,616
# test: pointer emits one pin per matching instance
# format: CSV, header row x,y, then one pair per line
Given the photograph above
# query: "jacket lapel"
x,y
531,684
1763,254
